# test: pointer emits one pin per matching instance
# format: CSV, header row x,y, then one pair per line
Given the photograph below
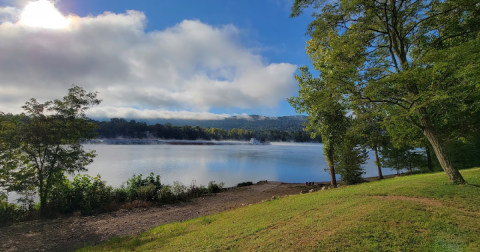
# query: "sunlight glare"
x,y
43,13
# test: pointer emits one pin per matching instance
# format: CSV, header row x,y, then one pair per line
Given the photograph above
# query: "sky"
x,y
151,59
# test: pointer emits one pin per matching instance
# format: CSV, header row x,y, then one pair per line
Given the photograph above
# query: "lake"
x,y
231,164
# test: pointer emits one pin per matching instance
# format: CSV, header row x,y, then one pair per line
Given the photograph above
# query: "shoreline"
x,y
68,233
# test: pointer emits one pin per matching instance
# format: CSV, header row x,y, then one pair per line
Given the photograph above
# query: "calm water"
x,y
222,163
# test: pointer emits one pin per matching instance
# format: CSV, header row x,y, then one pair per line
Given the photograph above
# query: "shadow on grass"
x,y
33,235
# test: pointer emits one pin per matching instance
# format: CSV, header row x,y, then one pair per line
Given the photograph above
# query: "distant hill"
x,y
252,122
243,128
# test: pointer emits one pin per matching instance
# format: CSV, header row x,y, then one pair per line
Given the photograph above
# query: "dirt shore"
x,y
70,233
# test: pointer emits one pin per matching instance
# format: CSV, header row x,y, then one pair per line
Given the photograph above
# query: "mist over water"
x,y
286,162
231,164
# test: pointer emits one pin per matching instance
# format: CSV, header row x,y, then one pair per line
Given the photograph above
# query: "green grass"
x,y
429,215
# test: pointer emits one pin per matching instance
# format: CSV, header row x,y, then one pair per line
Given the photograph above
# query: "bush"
x,y
85,194
91,195
179,190
120,194
10,213
214,188
147,193
166,194
195,191
136,182
249,183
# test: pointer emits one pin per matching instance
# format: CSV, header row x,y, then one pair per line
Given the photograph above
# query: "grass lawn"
x,y
412,213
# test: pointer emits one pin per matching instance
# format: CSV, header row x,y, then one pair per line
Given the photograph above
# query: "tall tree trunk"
x,y
43,198
330,159
428,130
377,162
429,158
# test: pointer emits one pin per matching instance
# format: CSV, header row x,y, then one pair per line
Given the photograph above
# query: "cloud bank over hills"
x,y
183,71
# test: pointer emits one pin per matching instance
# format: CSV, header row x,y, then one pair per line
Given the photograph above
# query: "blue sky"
x,y
183,59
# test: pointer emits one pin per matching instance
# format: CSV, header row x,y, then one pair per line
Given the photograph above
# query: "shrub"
x,y
179,190
85,194
120,194
214,188
136,182
10,213
147,193
249,183
166,194
196,191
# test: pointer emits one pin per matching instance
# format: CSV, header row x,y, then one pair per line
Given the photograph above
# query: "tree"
x,y
350,156
367,126
399,158
404,136
417,59
326,114
46,141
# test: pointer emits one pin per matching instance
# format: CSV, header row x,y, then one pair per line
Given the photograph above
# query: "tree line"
x,y
121,128
250,122
395,76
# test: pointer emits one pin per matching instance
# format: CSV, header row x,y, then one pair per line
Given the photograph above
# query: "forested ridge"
x,y
250,122
280,129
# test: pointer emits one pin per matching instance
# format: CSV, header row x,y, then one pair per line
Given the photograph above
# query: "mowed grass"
x,y
411,213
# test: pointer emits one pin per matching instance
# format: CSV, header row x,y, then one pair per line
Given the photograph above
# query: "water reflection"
x,y
222,163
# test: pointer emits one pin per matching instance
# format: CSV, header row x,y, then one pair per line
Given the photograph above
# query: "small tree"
x,y
46,141
326,114
349,160
367,126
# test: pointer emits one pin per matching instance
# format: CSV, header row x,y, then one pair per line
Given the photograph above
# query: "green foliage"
x,y
402,158
349,160
84,193
418,60
10,213
91,195
179,190
166,194
465,152
40,146
326,109
120,194
196,191
249,183
214,188
147,188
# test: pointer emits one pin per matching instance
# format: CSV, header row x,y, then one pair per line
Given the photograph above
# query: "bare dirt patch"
x,y
70,233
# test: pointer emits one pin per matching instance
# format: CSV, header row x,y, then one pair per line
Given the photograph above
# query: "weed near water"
x,y
411,213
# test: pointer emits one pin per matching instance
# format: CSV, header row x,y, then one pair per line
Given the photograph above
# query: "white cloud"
x,y
9,14
120,112
186,69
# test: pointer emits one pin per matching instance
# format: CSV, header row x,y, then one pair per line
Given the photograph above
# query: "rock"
x,y
324,188
312,190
